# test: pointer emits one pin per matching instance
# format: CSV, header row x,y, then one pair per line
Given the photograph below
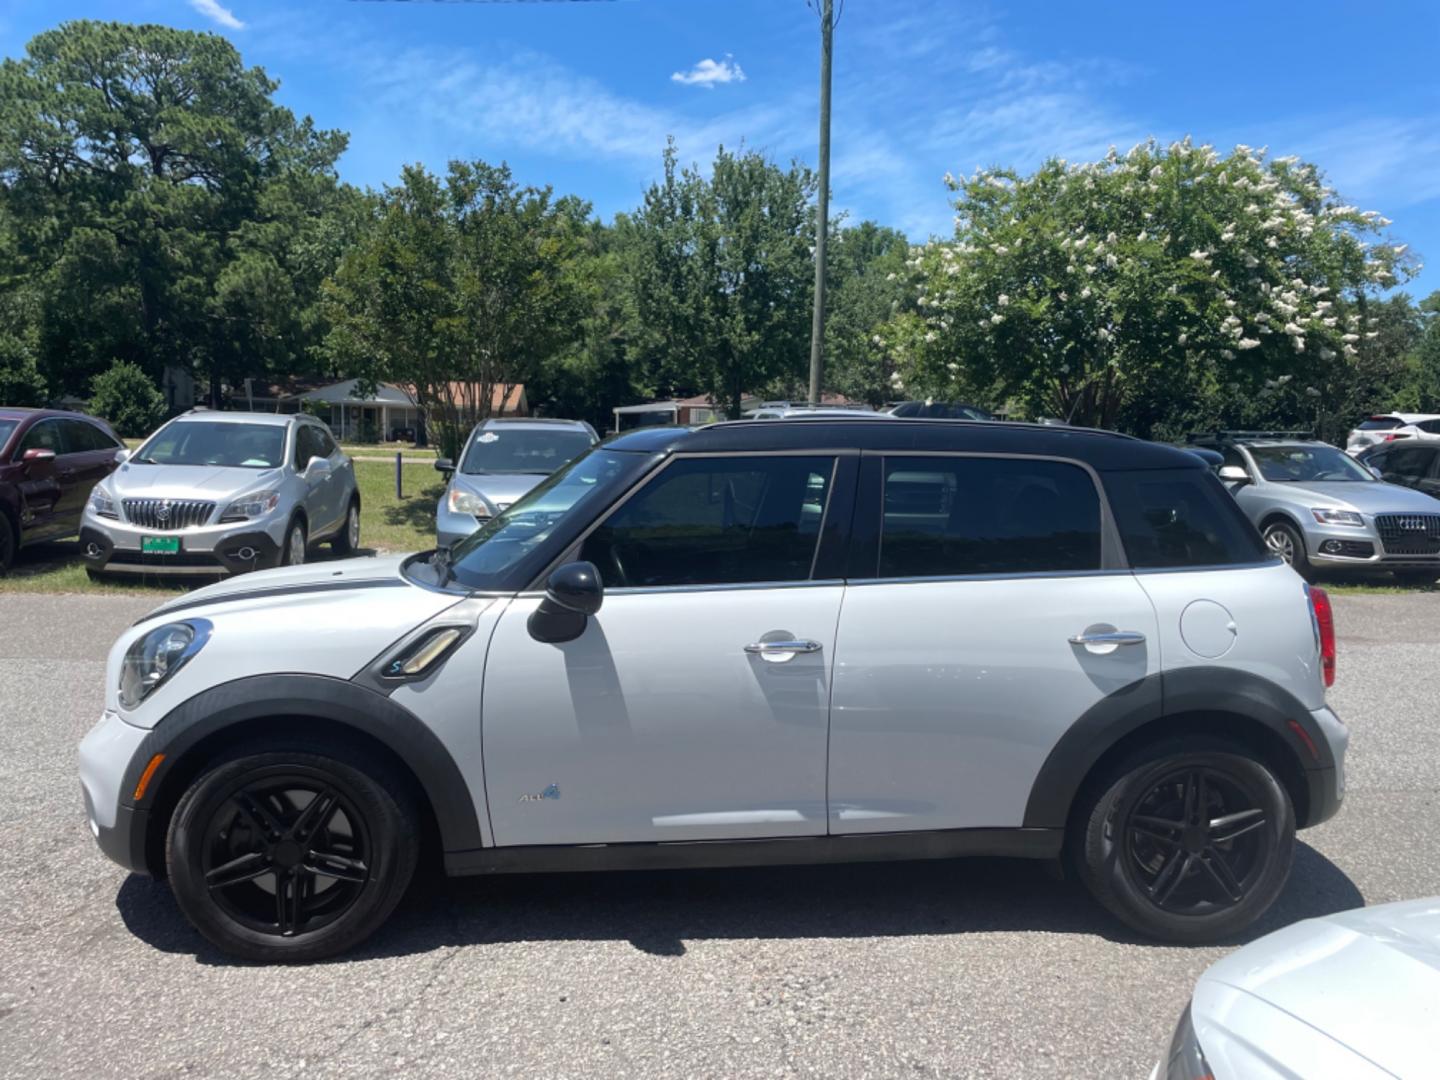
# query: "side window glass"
x,y
81,438
1233,457
1180,517
324,444
46,435
304,446
717,521
952,516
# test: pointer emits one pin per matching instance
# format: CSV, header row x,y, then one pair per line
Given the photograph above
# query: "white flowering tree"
x,y
1132,289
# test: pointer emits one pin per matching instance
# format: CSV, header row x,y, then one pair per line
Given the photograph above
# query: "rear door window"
x,y
1180,517
1406,464
953,516
1381,423
717,521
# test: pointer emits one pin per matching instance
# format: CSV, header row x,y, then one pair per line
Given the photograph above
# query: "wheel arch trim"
x,y
1186,699
230,707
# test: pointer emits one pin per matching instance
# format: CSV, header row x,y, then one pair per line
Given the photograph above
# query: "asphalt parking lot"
x,y
972,968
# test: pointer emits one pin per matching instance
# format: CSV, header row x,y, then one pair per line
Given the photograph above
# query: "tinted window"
x,y
947,516
1180,517
1406,463
940,410
1430,427
717,521
46,435
81,437
325,445
215,442
7,427
523,450
1381,423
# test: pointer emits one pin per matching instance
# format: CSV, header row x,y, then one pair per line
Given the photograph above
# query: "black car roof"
x,y
1103,450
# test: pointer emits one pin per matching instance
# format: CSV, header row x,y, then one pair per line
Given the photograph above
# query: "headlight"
x,y
254,505
159,654
1326,516
465,502
1184,1060
102,503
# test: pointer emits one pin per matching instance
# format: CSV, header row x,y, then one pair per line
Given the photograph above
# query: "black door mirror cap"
x,y
576,587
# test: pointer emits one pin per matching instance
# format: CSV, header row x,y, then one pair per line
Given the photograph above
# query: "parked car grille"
x,y
167,515
1409,534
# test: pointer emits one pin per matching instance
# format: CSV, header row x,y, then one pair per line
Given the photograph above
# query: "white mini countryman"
x,y
768,642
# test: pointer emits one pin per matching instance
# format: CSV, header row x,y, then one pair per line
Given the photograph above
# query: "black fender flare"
x,y
1179,692
265,697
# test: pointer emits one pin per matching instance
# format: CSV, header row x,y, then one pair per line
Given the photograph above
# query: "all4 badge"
x,y
551,792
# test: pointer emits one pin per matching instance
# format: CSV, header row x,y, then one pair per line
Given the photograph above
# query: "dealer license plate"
x,y
160,545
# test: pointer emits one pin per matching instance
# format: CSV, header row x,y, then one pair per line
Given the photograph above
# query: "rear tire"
x,y
266,876
1285,540
1189,841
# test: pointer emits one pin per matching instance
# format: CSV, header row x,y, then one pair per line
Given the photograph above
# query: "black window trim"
x,y
870,501
839,537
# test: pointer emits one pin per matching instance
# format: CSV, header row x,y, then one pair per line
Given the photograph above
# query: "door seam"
x,y
830,699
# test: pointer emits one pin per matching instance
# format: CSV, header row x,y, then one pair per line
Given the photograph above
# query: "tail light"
x,y
1324,617
1392,438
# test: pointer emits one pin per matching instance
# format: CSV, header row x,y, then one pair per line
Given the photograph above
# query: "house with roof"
x,y
390,412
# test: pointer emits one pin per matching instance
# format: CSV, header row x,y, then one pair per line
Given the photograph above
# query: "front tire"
x,y
291,855
293,553
1186,843
347,540
1285,540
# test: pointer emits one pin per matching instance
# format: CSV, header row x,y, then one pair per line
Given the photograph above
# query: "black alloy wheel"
x,y
286,852
1189,841
291,855
1195,843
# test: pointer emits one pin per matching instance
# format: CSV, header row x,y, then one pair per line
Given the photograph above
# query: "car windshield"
x,y
523,450
215,442
1301,464
584,486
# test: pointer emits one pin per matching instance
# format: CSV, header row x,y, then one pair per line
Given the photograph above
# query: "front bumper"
x,y
106,756
452,527
1348,545
114,547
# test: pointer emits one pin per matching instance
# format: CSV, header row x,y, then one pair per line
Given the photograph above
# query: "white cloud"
x,y
212,9
708,73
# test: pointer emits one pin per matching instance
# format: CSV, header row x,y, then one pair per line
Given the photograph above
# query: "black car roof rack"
x,y
1236,436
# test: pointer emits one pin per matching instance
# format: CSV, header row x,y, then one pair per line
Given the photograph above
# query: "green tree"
x,y
720,276
868,287
458,290
128,399
165,210
1128,290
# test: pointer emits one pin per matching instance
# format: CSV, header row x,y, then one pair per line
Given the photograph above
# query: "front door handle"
x,y
772,648
1109,637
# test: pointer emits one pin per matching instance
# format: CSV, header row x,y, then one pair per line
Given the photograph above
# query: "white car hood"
x,y
289,581
135,481
1369,979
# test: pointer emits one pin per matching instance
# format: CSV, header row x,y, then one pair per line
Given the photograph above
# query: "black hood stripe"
x,y
281,590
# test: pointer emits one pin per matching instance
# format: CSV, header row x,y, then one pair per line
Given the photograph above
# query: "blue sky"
x,y
583,95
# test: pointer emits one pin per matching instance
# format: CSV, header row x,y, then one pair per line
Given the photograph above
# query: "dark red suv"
x,y
49,461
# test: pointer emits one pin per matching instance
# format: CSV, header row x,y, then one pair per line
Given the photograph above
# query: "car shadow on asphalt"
x,y
658,911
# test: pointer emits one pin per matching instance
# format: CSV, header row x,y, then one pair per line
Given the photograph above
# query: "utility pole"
x,y
822,216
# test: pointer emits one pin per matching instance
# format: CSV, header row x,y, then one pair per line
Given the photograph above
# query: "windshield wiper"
x,y
145,460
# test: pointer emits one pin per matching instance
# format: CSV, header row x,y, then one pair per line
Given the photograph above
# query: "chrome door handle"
x,y
763,648
1112,637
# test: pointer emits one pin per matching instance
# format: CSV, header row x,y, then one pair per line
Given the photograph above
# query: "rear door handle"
x,y
1109,637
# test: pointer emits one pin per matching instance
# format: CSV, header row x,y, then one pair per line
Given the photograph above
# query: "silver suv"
x,y
223,492
1319,508
502,460
753,643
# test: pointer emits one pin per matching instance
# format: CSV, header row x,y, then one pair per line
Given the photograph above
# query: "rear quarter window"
x,y
1180,517
1380,423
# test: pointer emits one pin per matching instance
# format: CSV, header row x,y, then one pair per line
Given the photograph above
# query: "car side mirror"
x,y
318,466
444,465
573,593
1234,474
39,463
122,456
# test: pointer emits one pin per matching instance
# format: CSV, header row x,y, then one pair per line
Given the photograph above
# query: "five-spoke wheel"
x,y
291,855
1188,843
